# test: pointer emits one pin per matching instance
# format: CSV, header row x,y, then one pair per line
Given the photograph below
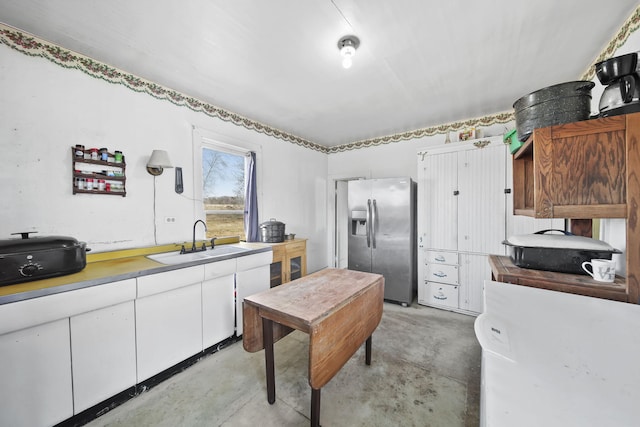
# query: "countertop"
x,y
113,266
504,270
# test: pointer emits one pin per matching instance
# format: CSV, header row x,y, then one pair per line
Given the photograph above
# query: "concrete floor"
x,y
425,371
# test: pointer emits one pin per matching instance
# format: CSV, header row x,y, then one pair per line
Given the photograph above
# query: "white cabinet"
x,y
218,301
64,353
474,270
464,213
56,351
35,375
103,345
252,277
168,319
461,217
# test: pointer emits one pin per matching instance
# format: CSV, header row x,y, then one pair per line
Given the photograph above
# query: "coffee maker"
x,y
621,75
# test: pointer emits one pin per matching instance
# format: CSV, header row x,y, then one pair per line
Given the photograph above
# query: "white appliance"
x,y
556,359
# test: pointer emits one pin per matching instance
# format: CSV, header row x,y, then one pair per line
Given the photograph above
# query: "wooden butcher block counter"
x,y
338,308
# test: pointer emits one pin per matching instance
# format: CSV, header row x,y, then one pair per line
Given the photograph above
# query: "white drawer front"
x,y
173,279
442,273
442,257
220,268
254,260
441,294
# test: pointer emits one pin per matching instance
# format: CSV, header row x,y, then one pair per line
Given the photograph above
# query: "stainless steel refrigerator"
x,y
382,233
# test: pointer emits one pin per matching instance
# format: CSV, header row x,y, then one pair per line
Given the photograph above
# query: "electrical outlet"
x,y
169,219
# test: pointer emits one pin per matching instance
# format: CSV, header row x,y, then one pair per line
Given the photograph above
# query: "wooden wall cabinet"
x,y
289,261
577,170
586,169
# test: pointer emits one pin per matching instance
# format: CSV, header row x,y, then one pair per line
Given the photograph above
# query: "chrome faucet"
x,y
193,245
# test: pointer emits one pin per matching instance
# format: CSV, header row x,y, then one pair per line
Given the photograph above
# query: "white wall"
x,y
46,109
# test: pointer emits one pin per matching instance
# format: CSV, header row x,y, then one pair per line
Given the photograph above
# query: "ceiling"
x,y
420,63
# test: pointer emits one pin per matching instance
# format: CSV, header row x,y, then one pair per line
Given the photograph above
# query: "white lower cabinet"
x,y
252,277
168,319
103,345
64,353
218,302
474,270
35,375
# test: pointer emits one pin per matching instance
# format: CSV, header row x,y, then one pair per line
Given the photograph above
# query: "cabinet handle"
x,y
456,192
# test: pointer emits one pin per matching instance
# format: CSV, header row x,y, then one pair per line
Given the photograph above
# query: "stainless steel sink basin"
x,y
173,258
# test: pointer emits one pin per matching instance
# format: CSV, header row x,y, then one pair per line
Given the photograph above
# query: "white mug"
x,y
603,270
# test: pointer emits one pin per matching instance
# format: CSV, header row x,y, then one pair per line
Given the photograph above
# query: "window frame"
x,y
203,138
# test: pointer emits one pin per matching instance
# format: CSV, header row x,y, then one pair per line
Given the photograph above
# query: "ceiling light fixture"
x,y
348,46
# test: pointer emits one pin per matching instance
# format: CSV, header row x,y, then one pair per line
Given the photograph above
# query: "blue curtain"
x,y
251,230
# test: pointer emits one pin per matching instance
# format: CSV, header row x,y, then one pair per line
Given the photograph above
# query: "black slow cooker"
x,y
33,258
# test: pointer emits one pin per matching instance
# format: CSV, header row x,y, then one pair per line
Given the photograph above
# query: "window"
x,y
223,187
226,184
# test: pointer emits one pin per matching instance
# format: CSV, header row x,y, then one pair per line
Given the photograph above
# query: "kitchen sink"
x,y
173,258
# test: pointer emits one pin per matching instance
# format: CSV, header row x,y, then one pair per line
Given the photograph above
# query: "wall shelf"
x,y
86,170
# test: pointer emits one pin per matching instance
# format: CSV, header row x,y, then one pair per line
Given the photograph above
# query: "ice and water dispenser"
x,y
359,223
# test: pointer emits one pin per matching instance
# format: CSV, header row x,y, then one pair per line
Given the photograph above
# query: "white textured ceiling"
x,y
420,63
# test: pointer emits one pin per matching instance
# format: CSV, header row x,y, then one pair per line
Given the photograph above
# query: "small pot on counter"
x,y
272,231
35,258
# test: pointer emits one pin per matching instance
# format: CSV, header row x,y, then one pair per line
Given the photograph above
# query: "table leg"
x,y
267,337
367,351
315,407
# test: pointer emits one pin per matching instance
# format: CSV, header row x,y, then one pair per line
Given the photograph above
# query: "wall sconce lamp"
x,y
347,46
157,162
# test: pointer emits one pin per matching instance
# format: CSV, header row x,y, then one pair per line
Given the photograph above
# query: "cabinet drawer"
x,y
220,268
297,246
442,273
254,260
442,257
174,279
31,312
440,294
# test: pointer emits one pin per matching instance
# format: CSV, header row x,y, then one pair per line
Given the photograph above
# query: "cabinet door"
x,y
249,282
474,270
35,375
276,273
168,329
217,309
296,260
103,345
481,204
520,224
438,206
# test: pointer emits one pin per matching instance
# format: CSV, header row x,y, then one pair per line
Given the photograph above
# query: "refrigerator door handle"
x,y
368,223
374,214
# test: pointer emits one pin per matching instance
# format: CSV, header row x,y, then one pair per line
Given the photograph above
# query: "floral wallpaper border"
x,y
32,46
